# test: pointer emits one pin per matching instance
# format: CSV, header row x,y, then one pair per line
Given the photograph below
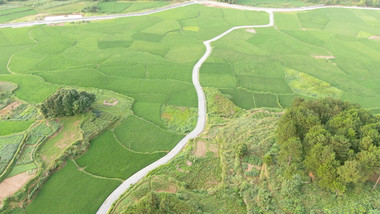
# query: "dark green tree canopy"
x,y
337,141
67,102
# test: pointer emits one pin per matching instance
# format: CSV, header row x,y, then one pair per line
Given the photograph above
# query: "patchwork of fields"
x,y
148,59
144,64
313,54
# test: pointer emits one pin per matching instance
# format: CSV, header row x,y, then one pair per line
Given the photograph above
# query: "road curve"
x,y
107,204
205,2
202,109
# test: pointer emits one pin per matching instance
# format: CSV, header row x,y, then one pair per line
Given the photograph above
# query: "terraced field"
x,y
148,59
311,54
140,69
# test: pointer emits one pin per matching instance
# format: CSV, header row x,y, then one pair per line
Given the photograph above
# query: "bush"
x,y
67,102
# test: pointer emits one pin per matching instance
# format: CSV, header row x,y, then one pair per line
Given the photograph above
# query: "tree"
x,y
67,102
337,141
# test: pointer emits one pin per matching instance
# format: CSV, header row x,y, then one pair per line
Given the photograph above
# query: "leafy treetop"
x,y
337,141
67,102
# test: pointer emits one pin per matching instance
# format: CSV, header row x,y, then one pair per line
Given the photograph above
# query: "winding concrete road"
x,y
195,77
205,2
107,204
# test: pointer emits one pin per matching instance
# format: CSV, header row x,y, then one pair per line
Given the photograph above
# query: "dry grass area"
x,y
201,149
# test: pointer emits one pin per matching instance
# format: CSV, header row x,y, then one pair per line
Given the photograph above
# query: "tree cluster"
x,y
336,142
67,102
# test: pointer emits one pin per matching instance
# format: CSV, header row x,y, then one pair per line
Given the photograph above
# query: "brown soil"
x,y
324,57
189,163
111,102
10,185
375,38
9,108
68,137
201,149
311,175
251,31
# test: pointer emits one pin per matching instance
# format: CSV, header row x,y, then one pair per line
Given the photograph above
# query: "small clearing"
x,y
201,149
111,102
251,31
11,185
377,38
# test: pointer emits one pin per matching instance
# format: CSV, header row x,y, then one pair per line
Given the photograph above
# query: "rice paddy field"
x,y
313,54
145,66
140,68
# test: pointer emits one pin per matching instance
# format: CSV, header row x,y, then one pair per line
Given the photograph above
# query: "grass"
x,y
150,60
106,151
55,146
132,134
13,126
84,195
309,55
15,13
204,182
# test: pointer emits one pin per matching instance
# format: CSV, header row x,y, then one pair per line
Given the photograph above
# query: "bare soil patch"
x,y
201,149
251,31
111,102
189,163
9,108
375,38
68,137
11,185
324,57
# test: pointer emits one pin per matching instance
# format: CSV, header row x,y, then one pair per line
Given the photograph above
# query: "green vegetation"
x,y
302,3
67,103
338,142
29,10
8,148
132,133
61,182
238,166
13,126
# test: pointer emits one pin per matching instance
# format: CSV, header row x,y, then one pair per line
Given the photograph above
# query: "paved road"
x,y
201,96
206,2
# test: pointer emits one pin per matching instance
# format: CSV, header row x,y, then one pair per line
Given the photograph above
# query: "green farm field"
x,y
29,10
311,54
144,64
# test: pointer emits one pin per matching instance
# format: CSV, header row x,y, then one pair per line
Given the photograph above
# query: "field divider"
x,y
201,122
82,169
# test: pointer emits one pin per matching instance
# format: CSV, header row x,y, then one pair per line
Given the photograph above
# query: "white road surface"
x,y
201,96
